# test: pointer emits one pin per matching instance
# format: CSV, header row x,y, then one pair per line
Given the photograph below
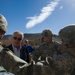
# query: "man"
x,y
16,46
47,48
3,30
29,48
65,63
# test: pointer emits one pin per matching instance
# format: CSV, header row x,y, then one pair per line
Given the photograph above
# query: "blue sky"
x,y
33,16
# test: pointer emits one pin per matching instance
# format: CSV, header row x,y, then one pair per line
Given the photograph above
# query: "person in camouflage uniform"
x,y
64,64
3,29
47,48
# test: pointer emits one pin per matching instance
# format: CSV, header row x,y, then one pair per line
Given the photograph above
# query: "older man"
x,y
16,46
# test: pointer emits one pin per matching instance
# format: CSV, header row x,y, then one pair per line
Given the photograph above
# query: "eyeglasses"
x,y
15,38
2,32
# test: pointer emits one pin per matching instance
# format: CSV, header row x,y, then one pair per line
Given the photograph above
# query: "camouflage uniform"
x,y
3,29
47,48
65,63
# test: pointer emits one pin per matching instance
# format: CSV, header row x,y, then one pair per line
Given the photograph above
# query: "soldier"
x,y
47,48
3,29
65,63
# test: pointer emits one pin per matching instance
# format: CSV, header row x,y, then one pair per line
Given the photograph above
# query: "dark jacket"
x,y
24,54
30,48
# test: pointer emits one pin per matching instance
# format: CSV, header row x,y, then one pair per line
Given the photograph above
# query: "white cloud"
x,y
61,7
45,12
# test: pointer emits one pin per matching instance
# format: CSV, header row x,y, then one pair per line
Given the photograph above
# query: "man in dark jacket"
x,y
17,48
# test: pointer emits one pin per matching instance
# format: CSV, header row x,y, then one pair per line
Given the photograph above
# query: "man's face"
x,y
48,39
17,39
1,33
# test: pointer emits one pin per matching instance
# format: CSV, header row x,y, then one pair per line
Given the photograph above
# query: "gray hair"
x,y
19,32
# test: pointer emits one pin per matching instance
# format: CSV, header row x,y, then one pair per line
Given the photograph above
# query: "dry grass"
x,y
33,42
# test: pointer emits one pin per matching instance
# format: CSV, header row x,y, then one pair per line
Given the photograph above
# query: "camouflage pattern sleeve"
x,y
63,64
36,54
57,48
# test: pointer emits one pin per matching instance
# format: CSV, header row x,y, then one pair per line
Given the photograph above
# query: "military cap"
x,y
47,33
68,33
3,23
